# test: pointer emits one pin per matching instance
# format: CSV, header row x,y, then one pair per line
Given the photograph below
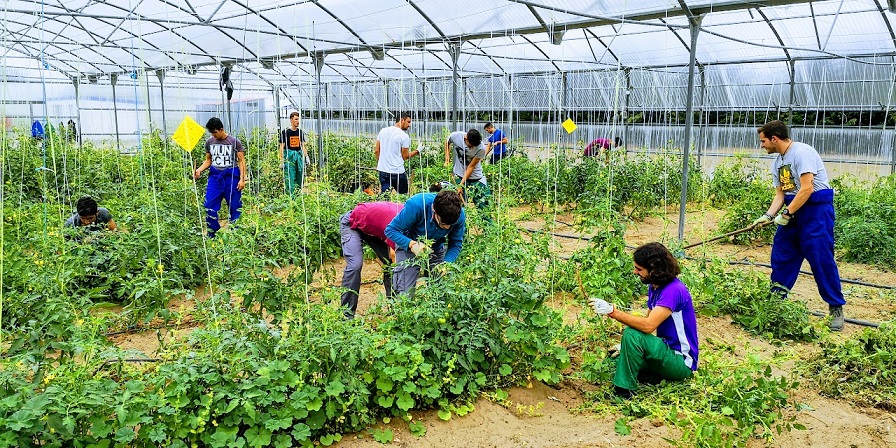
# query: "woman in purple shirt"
x,y
672,353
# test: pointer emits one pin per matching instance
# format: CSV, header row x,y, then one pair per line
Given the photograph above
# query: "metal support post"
x,y
699,143
792,98
454,51
161,75
318,66
689,122
114,79
77,82
628,96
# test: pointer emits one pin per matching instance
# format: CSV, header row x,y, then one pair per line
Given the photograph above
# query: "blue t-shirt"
x,y
497,137
678,331
415,221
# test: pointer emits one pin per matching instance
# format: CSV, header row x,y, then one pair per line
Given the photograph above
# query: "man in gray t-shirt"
x,y
90,217
468,154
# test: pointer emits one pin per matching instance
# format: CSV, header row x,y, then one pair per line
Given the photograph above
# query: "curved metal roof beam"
x,y
272,24
339,21
54,44
607,48
490,57
542,52
777,35
883,16
428,20
122,21
685,44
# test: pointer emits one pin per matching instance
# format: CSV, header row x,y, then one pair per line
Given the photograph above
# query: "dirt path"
x,y
544,416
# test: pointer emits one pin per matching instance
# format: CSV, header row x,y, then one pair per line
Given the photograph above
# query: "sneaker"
x,y
625,394
837,317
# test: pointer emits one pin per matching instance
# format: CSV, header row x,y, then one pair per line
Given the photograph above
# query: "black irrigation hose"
x,y
748,263
118,361
843,280
852,321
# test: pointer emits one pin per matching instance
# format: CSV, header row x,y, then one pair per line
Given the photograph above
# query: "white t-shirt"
x,y
392,139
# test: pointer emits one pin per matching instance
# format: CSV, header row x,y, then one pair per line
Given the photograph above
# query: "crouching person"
x,y
671,354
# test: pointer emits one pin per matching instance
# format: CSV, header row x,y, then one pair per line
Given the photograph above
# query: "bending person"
x,y
90,217
426,216
671,354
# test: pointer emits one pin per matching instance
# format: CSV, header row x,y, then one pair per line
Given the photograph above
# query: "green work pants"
x,y
647,358
294,170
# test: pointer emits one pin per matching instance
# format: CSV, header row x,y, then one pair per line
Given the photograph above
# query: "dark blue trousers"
x,y
809,235
222,186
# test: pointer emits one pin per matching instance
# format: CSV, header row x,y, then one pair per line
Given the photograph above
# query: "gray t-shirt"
x,y
102,219
223,152
463,155
799,159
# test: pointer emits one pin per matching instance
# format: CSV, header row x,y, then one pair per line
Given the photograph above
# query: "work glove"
x,y
420,148
765,218
601,306
419,249
782,219
614,350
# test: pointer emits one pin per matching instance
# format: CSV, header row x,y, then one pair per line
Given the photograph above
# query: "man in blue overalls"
x,y
226,162
806,223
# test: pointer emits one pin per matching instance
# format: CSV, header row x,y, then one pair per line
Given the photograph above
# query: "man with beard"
x,y
670,355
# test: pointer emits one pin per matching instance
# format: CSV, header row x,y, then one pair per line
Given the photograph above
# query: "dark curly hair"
x,y
86,206
661,266
448,205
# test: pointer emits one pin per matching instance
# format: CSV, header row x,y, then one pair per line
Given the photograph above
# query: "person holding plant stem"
x,y
671,354
226,162
439,218
468,152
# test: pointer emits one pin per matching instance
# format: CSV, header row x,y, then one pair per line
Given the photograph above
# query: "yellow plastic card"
x,y
569,125
188,133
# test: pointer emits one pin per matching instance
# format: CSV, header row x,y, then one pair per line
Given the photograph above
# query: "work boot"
x,y
836,317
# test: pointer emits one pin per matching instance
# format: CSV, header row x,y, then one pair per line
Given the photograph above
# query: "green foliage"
x,y
865,230
736,179
725,404
746,296
861,368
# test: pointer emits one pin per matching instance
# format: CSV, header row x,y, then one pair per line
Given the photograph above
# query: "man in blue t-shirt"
x,y
426,216
671,354
497,142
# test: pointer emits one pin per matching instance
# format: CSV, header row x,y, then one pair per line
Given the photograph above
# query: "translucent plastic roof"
x,y
278,41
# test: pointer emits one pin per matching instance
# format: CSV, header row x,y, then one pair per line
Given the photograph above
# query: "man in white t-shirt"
x,y
391,150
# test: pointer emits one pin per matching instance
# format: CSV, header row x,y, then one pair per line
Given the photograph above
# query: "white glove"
x,y
765,218
419,249
420,147
782,220
614,350
601,306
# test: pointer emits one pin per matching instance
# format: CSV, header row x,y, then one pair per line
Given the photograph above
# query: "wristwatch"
x,y
787,213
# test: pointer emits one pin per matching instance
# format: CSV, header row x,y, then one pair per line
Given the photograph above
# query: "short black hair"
x,y
617,141
402,116
776,128
214,124
86,206
448,205
294,114
661,266
488,125
474,137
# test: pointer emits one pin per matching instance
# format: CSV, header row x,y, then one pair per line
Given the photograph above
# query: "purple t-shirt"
x,y
678,331
373,217
596,145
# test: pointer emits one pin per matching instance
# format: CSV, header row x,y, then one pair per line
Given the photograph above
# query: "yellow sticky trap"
x,y
188,133
569,125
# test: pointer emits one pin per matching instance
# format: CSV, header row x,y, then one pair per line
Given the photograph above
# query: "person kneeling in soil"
x,y
90,217
426,216
672,353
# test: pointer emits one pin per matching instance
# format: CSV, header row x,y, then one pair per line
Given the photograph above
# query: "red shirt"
x,y
373,217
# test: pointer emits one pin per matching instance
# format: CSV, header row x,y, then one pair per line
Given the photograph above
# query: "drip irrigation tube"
x,y
747,263
863,323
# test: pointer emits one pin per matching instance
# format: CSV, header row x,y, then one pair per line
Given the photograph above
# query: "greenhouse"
x,y
448,223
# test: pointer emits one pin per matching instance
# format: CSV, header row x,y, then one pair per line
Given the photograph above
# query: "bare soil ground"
x,y
545,416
